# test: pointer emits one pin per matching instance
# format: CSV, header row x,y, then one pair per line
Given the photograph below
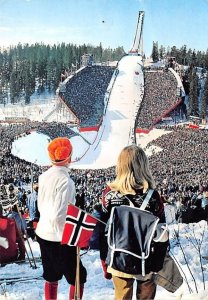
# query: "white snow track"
x,y
118,121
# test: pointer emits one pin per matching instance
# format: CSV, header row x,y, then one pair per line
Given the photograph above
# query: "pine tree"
x,y
199,59
100,52
174,52
193,59
118,53
206,60
204,100
162,52
193,95
189,56
183,55
14,87
155,52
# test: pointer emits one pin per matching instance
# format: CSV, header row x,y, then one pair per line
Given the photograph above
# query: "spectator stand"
x,y
160,97
85,93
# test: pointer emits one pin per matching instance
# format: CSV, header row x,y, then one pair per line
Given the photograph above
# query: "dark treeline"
x,y
26,67
195,82
183,55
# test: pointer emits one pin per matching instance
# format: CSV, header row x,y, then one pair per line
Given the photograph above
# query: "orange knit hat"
x,y
59,150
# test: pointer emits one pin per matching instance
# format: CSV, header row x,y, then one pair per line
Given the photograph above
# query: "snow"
x,y
33,148
34,111
98,288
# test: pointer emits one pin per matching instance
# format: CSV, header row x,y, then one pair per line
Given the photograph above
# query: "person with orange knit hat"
x,y
56,191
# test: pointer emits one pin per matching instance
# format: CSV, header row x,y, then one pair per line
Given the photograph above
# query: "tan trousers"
x,y
145,290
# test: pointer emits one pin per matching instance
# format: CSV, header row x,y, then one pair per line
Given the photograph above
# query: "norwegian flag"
x,y
78,228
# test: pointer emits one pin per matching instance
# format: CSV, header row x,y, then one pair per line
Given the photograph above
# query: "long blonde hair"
x,y
132,171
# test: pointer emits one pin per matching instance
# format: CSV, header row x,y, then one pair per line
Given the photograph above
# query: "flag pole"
x,y
23,243
77,284
26,237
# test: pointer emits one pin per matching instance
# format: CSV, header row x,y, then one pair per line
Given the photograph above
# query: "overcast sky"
x,y
111,22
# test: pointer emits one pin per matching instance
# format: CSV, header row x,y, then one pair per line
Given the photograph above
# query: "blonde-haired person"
x,y
133,180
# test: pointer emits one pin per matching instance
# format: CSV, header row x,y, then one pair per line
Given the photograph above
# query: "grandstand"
x,y
160,97
84,94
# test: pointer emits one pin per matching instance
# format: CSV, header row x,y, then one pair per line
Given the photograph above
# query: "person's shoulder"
x,y
110,194
71,181
155,194
63,178
45,173
112,198
106,190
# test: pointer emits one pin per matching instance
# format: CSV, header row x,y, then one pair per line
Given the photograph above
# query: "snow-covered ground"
x,y
33,146
98,288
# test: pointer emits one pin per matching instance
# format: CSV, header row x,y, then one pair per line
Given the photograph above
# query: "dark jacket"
x,y
113,198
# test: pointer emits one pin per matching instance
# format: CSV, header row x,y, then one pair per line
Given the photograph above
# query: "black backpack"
x,y
135,239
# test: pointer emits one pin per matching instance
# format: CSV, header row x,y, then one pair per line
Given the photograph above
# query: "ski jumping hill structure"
x,y
124,103
118,124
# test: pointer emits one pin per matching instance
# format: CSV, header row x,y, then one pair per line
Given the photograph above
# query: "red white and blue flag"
x,y
78,228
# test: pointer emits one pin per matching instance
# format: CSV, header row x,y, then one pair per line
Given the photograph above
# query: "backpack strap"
x,y
131,204
147,199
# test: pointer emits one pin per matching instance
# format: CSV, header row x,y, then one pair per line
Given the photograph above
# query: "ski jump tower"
x,y
137,48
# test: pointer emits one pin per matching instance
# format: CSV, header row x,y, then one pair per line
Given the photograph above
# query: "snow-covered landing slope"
x,y
118,122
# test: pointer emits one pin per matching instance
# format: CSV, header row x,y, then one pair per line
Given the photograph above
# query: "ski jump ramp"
x,y
117,128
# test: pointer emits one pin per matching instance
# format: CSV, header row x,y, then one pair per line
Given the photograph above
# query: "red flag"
x,y
78,228
193,126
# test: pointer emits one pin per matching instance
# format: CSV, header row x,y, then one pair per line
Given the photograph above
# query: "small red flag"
x,y
78,228
193,126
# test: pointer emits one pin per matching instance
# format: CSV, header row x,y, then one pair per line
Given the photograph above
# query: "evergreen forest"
x,y
24,68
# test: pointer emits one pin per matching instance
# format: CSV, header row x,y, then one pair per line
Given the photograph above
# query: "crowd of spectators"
x,y
180,170
85,93
90,185
13,169
54,129
18,171
160,94
182,165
